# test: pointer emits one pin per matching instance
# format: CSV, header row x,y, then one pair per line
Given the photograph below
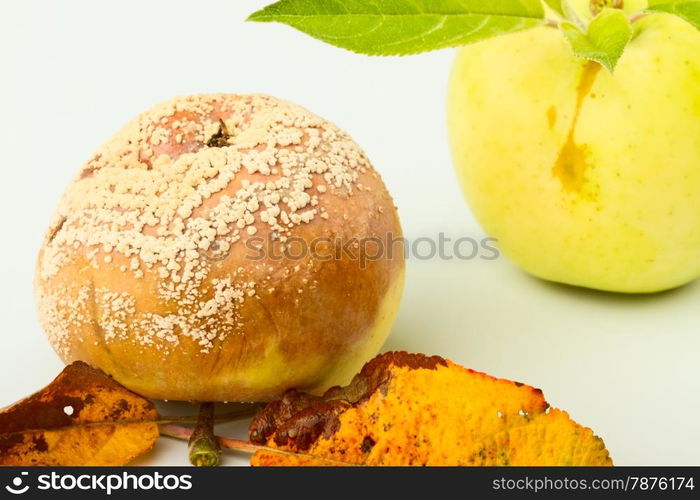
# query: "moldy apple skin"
x,y
585,177
165,262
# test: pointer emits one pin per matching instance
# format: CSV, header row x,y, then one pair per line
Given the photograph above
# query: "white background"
x,y
74,71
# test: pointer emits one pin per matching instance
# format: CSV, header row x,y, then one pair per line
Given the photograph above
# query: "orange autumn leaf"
x,y
409,409
82,418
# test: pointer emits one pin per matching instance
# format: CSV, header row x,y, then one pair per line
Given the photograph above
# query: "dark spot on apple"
x,y
220,138
56,230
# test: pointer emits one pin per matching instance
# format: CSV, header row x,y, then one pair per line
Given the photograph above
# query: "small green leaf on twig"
x,y
604,41
686,9
401,27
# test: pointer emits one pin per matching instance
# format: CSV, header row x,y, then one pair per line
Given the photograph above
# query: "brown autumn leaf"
x,y
82,418
410,409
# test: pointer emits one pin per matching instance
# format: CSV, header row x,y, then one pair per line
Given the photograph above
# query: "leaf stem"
x,y
204,449
185,433
553,23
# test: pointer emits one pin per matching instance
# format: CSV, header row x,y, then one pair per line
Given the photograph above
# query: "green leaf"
x,y
604,41
686,9
401,27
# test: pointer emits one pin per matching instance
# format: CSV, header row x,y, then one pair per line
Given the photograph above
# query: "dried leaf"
x,y
82,418
410,409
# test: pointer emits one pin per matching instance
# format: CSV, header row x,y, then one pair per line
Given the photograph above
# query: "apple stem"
x,y
204,449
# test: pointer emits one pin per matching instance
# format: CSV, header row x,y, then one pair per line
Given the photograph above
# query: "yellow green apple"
x,y
585,177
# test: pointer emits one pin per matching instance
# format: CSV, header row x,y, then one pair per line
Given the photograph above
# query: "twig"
x,y
204,449
185,433
224,129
